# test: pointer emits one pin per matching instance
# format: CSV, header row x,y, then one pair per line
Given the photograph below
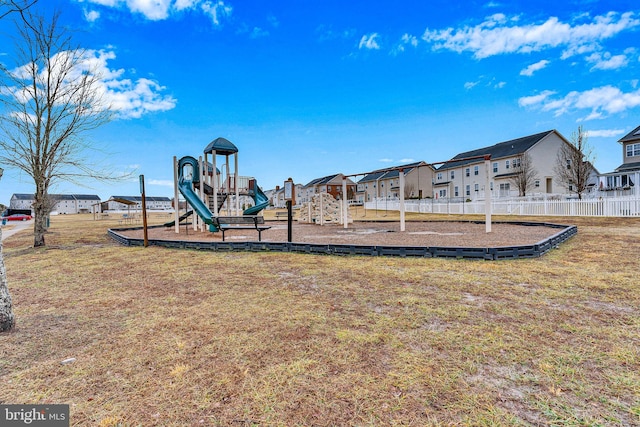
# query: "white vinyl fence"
x,y
615,207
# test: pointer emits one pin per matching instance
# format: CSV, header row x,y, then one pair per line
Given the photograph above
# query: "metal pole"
x,y
144,212
176,197
487,194
401,184
345,203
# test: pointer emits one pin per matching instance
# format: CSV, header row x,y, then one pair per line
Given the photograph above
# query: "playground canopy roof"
x,y
221,146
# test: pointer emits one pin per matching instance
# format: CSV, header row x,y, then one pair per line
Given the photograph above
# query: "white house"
x,y
64,203
464,175
625,179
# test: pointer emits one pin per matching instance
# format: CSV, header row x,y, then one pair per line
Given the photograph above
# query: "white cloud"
x,y
406,40
602,101
499,35
216,10
368,41
386,160
528,101
157,10
91,15
605,133
606,61
407,160
470,85
127,98
258,33
534,67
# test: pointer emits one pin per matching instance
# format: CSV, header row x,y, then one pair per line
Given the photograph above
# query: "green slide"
x,y
261,200
188,175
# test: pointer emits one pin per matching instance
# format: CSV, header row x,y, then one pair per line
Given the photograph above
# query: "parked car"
x,y
17,217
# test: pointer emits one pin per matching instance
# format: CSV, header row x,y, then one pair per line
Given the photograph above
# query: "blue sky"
x,y
308,88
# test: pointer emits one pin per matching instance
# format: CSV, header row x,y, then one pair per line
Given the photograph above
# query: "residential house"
x,y
626,177
464,176
63,203
331,184
277,196
385,183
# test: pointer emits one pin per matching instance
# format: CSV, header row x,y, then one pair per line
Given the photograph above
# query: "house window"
x,y
455,191
476,170
443,193
491,186
568,163
439,176
468,190
453,174
495,167
506,164
536,183
466,171
504,189
633,150
516,162
476,187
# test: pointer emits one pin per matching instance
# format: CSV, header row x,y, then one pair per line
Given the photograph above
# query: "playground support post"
x,y
144,212
176,200
345,204
401,185
487,194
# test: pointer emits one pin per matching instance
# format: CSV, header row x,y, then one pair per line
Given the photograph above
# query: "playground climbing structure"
x,y
323,209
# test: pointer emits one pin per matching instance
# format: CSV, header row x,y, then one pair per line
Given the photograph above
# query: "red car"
x,y
17,217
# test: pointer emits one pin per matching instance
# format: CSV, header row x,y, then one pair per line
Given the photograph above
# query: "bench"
x,y
246,222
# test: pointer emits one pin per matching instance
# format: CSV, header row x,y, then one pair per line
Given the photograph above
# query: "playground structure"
x,y
323,209
210,191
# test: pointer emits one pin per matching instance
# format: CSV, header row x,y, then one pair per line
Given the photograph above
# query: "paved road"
x,y
19,227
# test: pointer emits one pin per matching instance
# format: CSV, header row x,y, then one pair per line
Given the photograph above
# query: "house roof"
x,y
221,146
22,196
628,167
392,172
320,181
634,135
512,147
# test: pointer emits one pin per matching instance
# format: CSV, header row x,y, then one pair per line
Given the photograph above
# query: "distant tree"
x,y
525,174
574,163
49,101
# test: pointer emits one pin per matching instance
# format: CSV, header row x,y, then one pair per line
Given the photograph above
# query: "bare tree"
x,y
50,101
574,163
525,175
15,6
7,318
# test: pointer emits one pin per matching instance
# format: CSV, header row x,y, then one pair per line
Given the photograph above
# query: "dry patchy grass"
x,y
169,337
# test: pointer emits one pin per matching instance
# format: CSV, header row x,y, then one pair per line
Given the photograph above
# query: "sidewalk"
x,y
19,227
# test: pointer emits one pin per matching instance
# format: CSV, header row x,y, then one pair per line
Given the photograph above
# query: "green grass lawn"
x,y
170,337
